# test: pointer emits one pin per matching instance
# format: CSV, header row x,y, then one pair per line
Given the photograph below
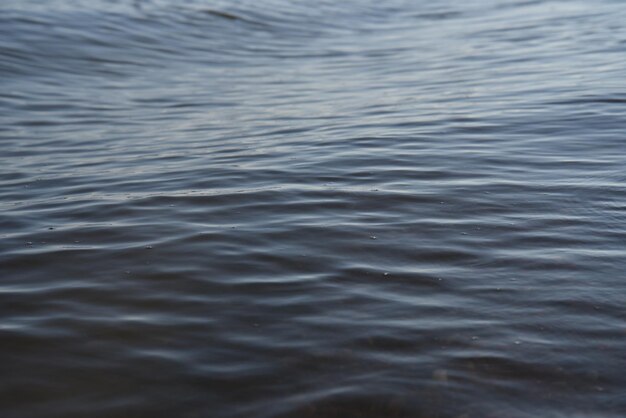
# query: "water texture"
x,y
291,209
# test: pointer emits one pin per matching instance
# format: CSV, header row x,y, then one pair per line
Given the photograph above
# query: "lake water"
x,y
291,209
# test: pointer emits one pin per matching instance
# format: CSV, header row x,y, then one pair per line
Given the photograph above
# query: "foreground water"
x,y
312,209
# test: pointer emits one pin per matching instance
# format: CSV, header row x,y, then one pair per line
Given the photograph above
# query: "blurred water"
x,y
312,209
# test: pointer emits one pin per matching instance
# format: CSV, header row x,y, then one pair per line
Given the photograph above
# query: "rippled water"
x,y
286,208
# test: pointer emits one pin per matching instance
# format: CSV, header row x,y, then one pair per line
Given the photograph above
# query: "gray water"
x,y
286,208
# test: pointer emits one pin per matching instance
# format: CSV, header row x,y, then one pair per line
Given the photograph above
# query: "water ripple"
x,y
296,209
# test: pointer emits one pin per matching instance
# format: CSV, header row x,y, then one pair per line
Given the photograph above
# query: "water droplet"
x,y
372,237
148,247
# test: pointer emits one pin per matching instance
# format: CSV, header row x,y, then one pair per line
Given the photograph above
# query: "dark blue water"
x,y
293,209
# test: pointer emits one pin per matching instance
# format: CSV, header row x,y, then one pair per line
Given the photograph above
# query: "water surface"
x,y
291,209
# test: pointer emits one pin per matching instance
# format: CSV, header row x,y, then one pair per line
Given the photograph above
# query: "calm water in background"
x,y
286,208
